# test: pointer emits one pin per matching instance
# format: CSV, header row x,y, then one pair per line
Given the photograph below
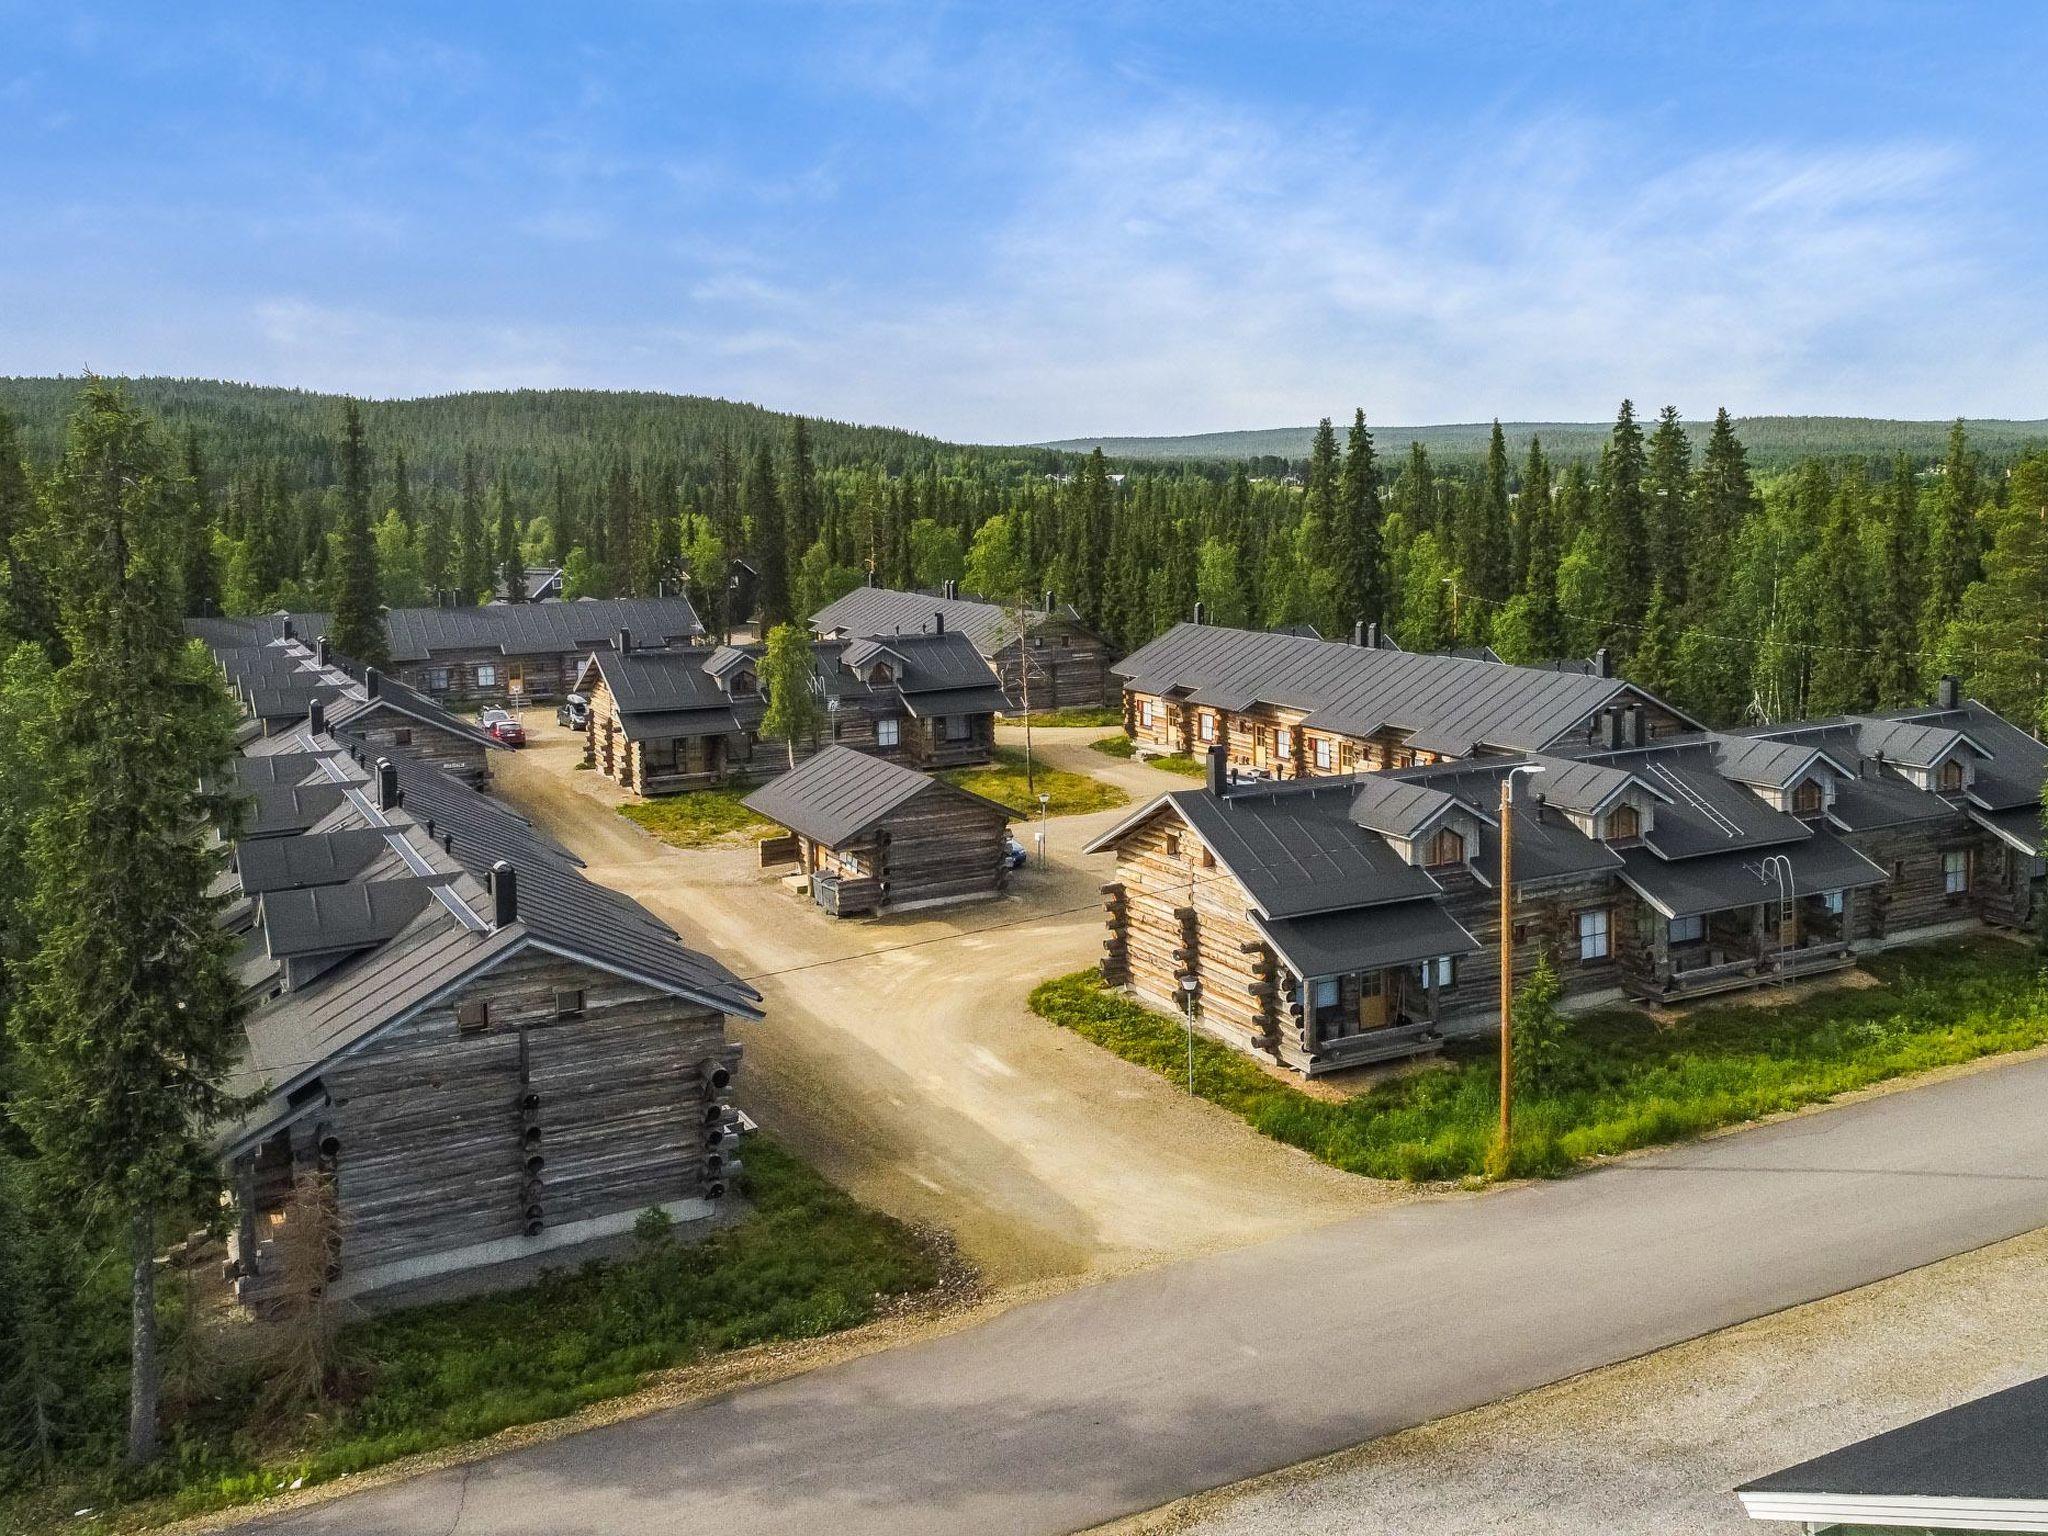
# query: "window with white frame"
x,y
1593,934
1145,713
886,733
1955,871
486,675
1208,727
1687,930
1283,742
1322,751
1832,901
437,679
1435,973
1327,994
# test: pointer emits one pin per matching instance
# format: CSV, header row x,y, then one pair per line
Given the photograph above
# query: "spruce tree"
x,y
1543,550
1840,678
358,620
128,1020
1999,641
1954,562
1624,553
511,560
1723,501
561,521
473,542
803,508
27,611
1485,551
401,493
437,547
1897,597
1415,496
768,539
1654,665
1668,504
1356,550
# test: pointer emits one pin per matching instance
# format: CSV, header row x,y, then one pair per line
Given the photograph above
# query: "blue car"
x,y
1013,853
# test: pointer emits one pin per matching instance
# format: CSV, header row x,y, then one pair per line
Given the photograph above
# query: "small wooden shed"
x,y
874,836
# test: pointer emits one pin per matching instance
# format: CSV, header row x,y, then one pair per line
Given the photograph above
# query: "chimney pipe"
x,y
1372,635
938,623
1603,664
373,682
1219,770
1948,693
387,785
320,649
284,627
316,718
625,641
504,895
1358,631
1201,613
1609,729
1048,599
1632,725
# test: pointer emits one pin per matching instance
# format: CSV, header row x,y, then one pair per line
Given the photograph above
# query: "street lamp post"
x,y
1507,952
1044,812
1187,1004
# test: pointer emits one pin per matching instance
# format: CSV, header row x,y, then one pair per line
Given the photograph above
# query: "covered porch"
x,y
1366,985
1730,921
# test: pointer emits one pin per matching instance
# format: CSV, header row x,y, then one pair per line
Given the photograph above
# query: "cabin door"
x,y
1372,999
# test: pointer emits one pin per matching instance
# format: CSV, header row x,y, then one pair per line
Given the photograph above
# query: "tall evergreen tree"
x,y
1415,495
1954,562
127,1024
511,561
1359,560
1624,553
437,546
1485,551
561,520
1840,680
358,618
1537,522
1723,501
1315,539
768,539
26,609
401,493
473,541
1654,666
803,508
1668,505
1897,599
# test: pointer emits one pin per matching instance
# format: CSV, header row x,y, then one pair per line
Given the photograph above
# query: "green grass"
x,y
1124,747
1003,782
1101,716
697,818
806,1261
1622,1082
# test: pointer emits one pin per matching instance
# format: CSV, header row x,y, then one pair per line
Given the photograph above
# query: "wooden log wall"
x,y
943,846
455,755
434,1137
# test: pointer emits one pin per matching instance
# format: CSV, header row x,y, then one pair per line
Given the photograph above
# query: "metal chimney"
x,y
373,682
625,641
316,718
1358,632
1219,770
1201,611
387,785
320,650
504,895
1603,663
1948,693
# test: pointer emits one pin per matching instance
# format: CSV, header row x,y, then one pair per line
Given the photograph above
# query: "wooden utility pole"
x,y
1507,960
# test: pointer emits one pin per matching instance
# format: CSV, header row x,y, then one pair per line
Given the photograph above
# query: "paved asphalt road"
x,y
1122,1396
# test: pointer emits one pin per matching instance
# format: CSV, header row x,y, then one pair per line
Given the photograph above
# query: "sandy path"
x,y
899,1055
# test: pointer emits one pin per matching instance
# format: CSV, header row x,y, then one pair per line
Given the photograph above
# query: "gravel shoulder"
x,y
1654,1446
899,1056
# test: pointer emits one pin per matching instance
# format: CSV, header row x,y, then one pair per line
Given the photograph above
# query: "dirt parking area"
x,y
898,1053
1653,1447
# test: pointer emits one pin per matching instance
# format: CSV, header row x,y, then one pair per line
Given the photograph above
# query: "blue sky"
x,y
1017,221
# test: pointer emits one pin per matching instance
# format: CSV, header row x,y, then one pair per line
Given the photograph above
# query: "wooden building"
x,y
1331,920
461,1055
1291,707
1064,664
665,721
874,836
505,653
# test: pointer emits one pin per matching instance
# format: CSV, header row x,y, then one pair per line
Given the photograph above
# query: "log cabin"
x,y
460,1055
1289,707
503,653
665,721
1053,655
1337,920
873,836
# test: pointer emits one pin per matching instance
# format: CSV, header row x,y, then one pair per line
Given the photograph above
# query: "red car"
x,y
503,727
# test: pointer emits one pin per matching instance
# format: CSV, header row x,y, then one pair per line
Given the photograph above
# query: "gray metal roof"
x,y
277,810
1398,807
1296,850
871,611
1762,760
1703,812
1573,784
2013,773
1448,704
1720,882
411,704
841,793
277,769
1367,938
319,919
522,629
1990,1449
294,863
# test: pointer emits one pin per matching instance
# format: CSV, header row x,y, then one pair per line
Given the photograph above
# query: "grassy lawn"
x,y
1003,782
806,1261
1106,715
701,817
1621,1082
1124,747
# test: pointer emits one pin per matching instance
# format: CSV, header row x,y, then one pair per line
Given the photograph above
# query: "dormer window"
x,y
881,674
1624,822
744,683
1446,848
1951,777
1807,798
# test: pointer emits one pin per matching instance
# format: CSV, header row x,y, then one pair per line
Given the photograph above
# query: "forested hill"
x,y
1774,442
523,432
